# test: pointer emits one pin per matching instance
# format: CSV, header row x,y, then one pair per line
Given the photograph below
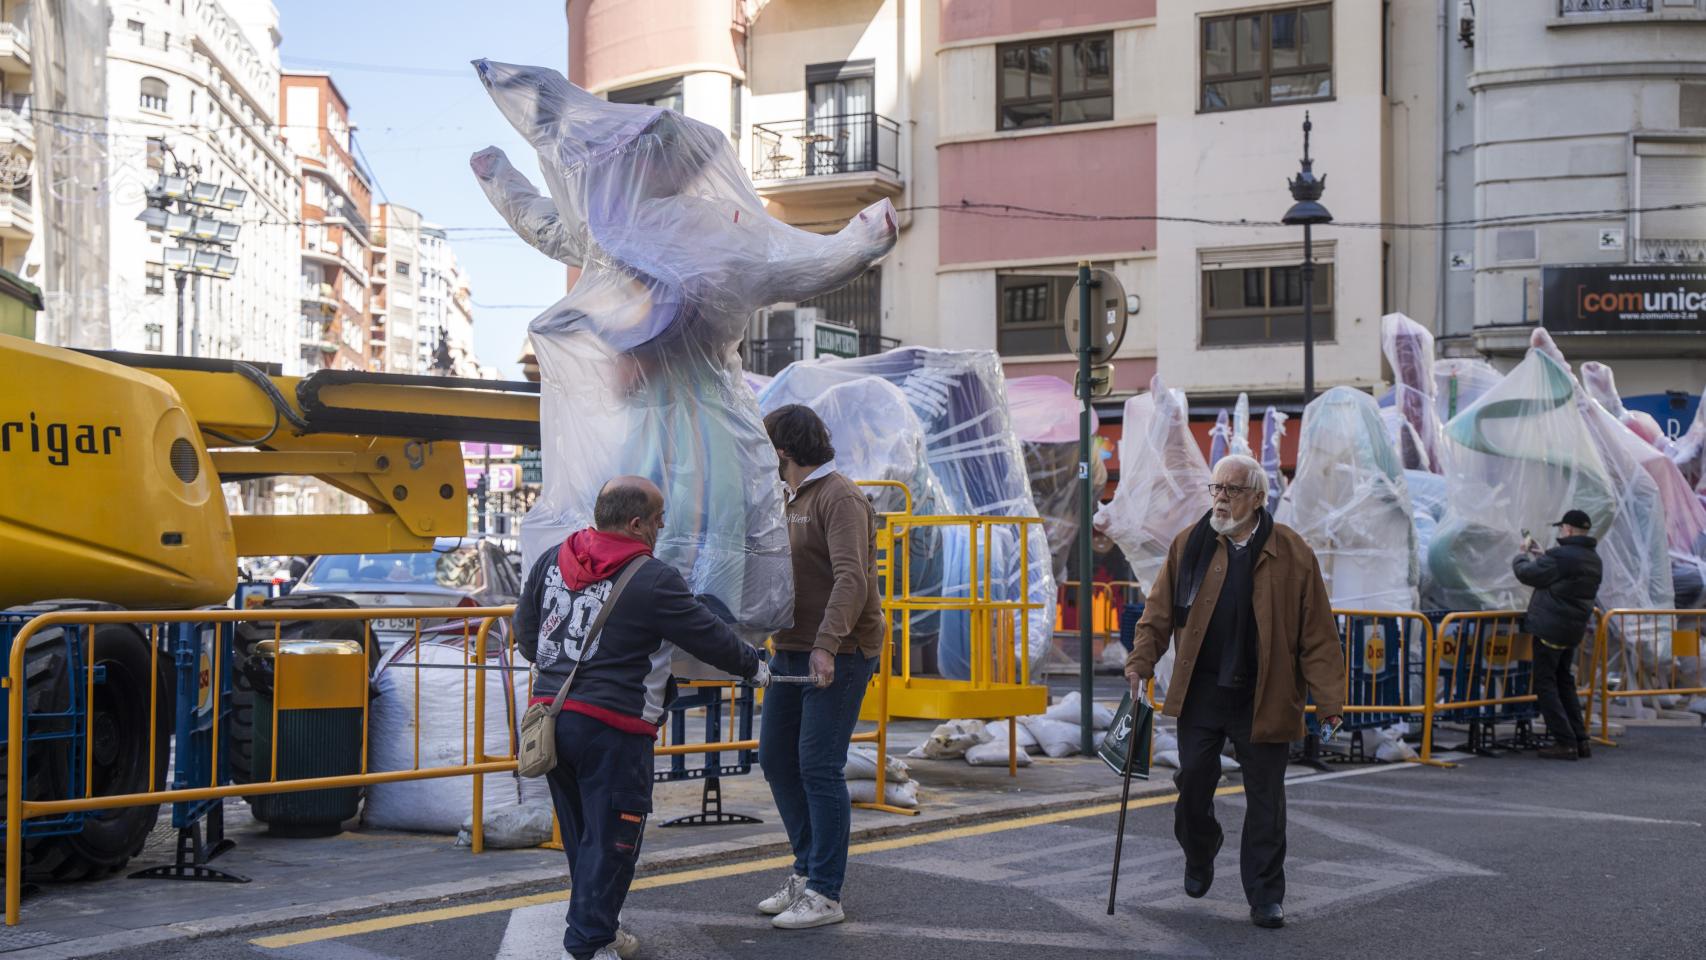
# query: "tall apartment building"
x,y
336,328
20,231
444,312
396,271
197,84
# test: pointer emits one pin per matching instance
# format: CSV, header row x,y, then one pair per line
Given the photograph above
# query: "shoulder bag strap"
x,y
628,571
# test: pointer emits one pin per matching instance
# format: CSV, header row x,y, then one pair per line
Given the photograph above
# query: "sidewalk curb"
x,y
519,882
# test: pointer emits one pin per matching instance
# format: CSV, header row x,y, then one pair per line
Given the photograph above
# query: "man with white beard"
x,y
1255,631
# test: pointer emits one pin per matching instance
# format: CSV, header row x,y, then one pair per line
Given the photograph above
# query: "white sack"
x,y
895,794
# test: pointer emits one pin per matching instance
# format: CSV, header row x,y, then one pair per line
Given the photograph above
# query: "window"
x,y
155,278
1261,305
661,93
841,117
151,338
1056,81
858,304
1272,57
136,29
402,268
1672,174
736,88
154,94
1029,312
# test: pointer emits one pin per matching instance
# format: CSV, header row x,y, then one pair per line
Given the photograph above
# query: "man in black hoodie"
x,y
1565,581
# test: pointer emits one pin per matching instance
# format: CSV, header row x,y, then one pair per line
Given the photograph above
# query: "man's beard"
x,y
1230,524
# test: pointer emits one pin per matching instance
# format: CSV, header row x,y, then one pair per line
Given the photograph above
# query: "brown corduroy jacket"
x,y
1297,645
832,533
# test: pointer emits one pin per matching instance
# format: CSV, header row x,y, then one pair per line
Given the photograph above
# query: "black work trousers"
x,y
602,789
1555,689
1211,716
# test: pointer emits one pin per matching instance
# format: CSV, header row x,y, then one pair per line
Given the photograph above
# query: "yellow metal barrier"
x,y
18,809
1652,650
1484,656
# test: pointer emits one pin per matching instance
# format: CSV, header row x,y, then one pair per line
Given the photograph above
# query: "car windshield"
x,y
457,569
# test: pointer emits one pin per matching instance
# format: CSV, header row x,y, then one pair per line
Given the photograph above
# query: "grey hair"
x,y
1254,475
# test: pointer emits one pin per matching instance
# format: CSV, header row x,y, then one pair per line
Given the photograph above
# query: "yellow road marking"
x,y
374,925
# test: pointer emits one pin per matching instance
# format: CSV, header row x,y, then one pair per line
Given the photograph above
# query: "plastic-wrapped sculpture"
x,y
1231,432
960,398
1164,480
1689,450
1349,501
1219,437
876,437
1410,352
637,364
1601,384
1459,382
1521,453
1045,419
1273,432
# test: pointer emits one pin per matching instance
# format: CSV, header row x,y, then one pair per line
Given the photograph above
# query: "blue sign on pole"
x,y
1673,410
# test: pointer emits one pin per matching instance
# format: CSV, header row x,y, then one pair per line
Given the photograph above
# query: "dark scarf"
x,y
1199,550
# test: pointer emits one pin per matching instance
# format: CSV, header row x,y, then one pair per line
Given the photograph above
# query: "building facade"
x,y
336,240
194,88
20,232
396,269
1593,114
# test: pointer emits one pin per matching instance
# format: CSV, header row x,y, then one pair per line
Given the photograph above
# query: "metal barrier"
x,y
1485,676
1645,654
1107,599
20,810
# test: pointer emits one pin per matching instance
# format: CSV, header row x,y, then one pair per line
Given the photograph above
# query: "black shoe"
x,y
1558,751
1199,879
1583,750
1269,915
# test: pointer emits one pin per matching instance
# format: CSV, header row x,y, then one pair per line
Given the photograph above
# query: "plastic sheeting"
x,y
876,437
1231,432
1689,451
1273,432
1164,480
960,398
1350,503
444,738
1519,456
1409,351
637,363
1045,414
1459,382
1601,384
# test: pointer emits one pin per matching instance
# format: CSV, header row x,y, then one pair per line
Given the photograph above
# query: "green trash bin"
x,y
319,696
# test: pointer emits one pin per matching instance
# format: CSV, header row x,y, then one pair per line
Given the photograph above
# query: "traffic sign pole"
x,y
1086,557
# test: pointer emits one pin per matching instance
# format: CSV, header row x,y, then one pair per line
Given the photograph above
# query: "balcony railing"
x,y
1657,250
1575,8
821,146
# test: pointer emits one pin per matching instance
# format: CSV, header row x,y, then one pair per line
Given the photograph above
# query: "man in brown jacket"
x,y
837,634
1255,630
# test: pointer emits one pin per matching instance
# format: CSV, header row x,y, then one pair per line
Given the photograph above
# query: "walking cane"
x,y
1125,800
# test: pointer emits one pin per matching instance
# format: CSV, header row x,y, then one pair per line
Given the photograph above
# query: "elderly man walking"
x,y
1245,599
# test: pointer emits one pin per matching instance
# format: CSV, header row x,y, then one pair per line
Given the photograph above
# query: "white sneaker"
x,y
606,952
811,909
626,945
783,898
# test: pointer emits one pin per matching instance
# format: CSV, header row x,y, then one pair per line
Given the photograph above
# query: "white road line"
x,y
1536,813
533,932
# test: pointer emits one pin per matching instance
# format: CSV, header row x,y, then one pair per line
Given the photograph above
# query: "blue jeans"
x,y
802,746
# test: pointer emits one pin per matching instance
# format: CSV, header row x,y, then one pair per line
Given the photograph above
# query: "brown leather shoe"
x,y
1558,751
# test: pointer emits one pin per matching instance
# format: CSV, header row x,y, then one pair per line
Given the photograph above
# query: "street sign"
x,y
532,467
834,340
1101,381
1107,315
497,451
505,477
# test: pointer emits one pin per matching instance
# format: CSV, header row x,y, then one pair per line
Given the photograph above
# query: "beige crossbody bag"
x,y
536,754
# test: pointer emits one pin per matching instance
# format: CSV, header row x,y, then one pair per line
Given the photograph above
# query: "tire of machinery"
x,y
239,734
119,715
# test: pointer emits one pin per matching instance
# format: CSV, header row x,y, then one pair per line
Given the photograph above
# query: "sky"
x,y
419,113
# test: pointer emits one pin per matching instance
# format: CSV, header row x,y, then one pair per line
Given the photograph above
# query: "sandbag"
x,y
951,740
995,754
1068,710
445,804
1056,738
514,827
901,794
862,765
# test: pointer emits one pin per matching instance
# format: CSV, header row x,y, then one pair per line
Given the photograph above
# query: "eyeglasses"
x,y
1231,490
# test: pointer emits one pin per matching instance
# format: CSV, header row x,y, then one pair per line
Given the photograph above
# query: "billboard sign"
x,y
1637,298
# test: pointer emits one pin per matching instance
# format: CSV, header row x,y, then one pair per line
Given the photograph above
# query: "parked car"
x,y
457,572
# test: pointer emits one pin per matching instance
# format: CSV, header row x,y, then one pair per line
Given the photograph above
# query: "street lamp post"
x,y
1307,211
184,209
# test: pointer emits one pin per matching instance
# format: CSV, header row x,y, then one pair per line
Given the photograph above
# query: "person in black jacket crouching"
x,y
1565,581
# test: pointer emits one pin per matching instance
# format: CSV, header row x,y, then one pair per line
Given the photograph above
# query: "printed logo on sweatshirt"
x,y
572,611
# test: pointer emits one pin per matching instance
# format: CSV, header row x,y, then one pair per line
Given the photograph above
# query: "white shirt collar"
x,y
811,478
